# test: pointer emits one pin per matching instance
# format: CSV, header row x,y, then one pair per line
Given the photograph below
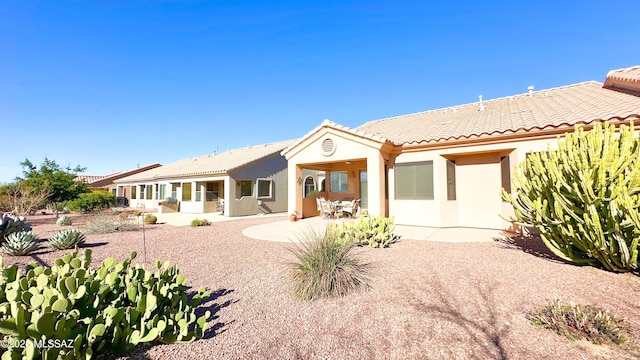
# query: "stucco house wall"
x,y
470,151
273,169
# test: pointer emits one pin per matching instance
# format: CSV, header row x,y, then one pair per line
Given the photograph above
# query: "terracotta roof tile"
x,y
627,79
88,179
563,106
333,125
209,164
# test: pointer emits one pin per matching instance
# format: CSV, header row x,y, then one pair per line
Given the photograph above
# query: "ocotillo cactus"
x,y
584,197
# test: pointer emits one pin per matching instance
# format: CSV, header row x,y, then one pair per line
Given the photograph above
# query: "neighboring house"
x,y
245,181
446,167
106,182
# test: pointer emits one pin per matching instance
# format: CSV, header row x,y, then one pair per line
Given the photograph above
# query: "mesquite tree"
x,y
58,181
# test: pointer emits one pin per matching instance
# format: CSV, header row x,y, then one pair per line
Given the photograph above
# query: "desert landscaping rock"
x,y
428,300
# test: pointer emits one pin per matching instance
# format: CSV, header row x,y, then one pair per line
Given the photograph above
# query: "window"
x,y
114,191
212,193
451,180
505,170
163,192
149,192
264,188
309,185
133,192
174,190
142,197
186,191
198,191
414,181
339,181
245,188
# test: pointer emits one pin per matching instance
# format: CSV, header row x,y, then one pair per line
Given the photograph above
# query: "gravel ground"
x,y
428,300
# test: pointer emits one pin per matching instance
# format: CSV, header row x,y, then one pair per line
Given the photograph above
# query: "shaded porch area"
x,y
337,182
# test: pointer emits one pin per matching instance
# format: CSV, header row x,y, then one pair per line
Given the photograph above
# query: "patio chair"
x,y
220,205
327,208
350,208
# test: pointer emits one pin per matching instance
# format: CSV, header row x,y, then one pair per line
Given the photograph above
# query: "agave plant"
x,y
64,221
66,239
19,243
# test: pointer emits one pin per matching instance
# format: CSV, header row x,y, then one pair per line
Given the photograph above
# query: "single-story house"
x,y
106,182
446,167
237,182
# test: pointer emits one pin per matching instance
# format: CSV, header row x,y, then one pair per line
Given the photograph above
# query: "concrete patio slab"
x,y
286,231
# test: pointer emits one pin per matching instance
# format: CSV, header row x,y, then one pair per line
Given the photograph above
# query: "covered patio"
x,y
355,167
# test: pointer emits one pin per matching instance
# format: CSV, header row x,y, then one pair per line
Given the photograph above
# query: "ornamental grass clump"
x,y
584,197
325,267
106,224
578,322
19,243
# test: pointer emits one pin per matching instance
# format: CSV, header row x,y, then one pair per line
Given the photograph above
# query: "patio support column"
x,y
376,185
227,194
294,196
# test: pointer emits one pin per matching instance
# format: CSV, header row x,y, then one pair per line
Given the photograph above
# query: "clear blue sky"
x,y
112,84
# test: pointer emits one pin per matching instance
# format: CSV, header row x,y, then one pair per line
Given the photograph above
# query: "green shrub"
x,y
64,221
326,267
92,201
583,197
105,224
19,243
203,222
111,308
66,239
578,322
375,232
150,219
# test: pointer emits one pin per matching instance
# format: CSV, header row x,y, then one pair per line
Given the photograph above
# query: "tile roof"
x,y
552,108
627,79
210,164
330,124
88,179
109,178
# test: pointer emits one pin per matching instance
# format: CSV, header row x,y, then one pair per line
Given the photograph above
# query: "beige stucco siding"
x,y
478,185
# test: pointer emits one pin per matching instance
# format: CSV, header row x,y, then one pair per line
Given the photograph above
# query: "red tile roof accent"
x,y
627,79
89,178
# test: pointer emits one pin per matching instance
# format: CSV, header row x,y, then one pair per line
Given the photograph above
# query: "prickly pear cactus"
x,y
371,231
86,311
584,197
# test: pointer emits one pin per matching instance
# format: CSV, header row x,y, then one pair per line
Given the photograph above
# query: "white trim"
x,y
270,196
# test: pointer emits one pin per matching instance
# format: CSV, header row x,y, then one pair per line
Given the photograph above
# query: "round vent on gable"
x,y
328,147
